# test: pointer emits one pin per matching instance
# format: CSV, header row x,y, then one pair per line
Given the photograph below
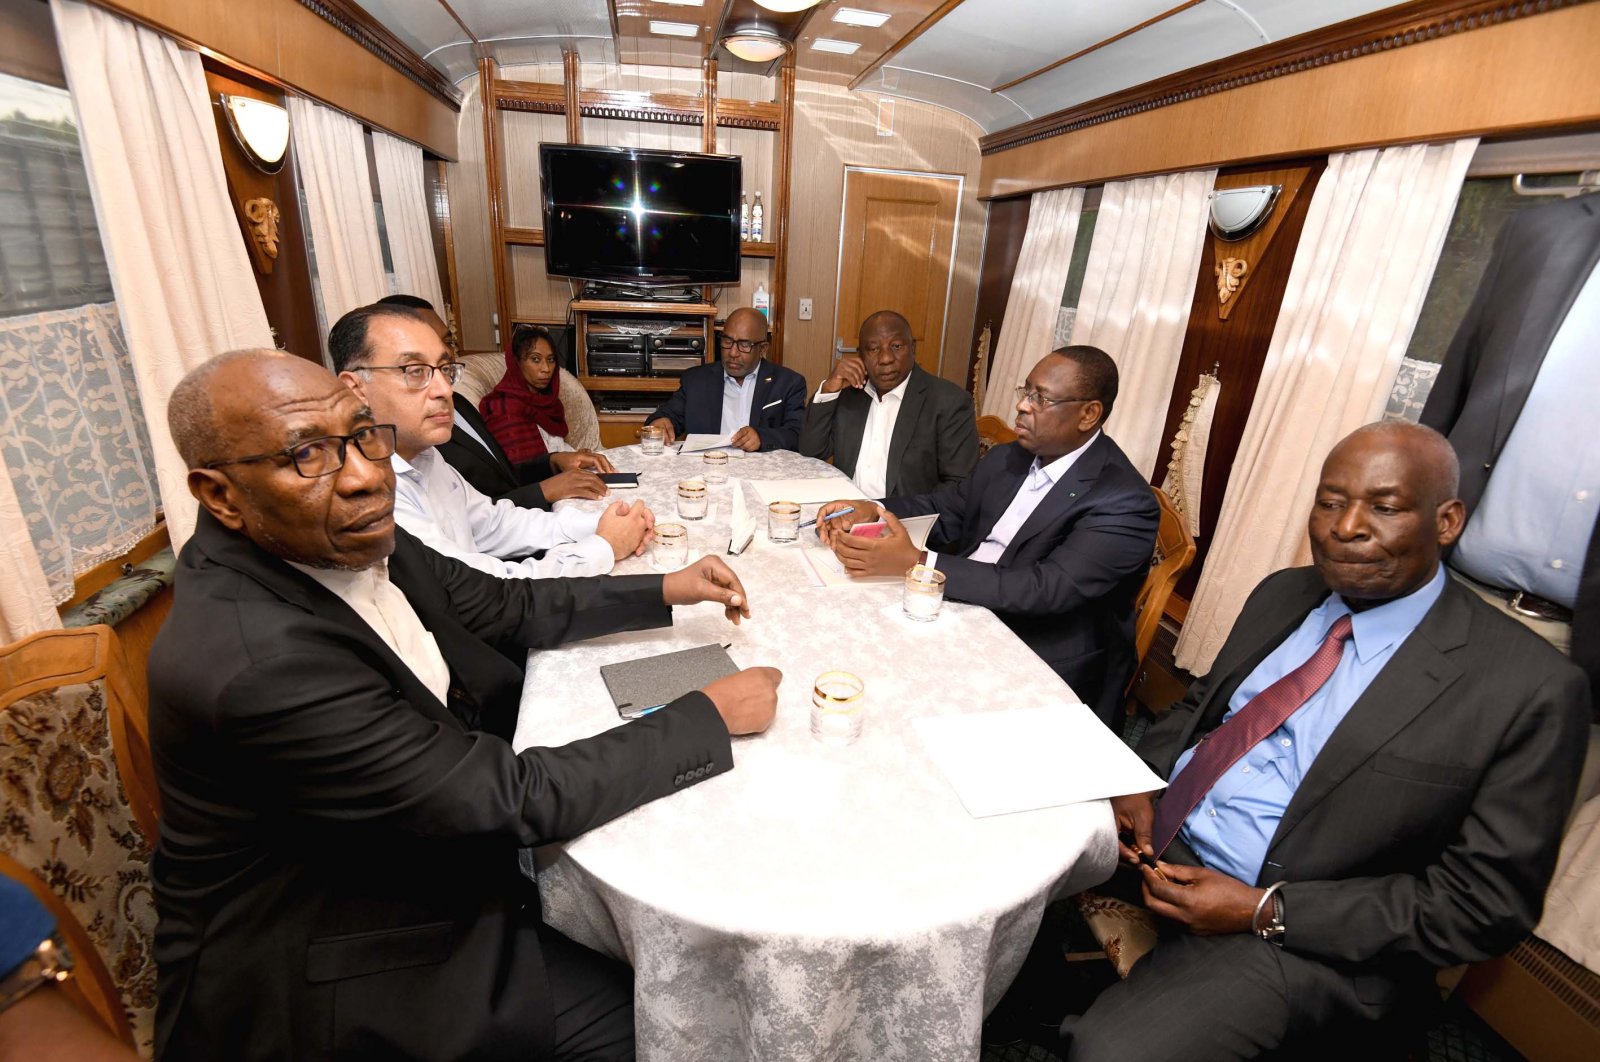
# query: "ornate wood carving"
x,y
1233,262
1230,275
372,35
1397,27
262,217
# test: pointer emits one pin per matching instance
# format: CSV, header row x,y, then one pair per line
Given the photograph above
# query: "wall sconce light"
x,y
1237,212
755,44
261,128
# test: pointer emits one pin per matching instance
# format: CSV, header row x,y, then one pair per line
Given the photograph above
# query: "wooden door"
x,y
896,250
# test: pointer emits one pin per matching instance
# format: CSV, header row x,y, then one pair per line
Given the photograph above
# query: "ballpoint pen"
x,y
838,512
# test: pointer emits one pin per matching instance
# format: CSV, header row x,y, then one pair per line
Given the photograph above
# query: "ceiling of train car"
x,y
998,61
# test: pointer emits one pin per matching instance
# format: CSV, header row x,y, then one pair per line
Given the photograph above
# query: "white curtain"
x,y
1137,291
1028,330
183,280
330,151
405,218
1366,256
26,604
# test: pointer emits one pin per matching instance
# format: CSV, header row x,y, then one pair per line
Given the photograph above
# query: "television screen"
x,y
642,217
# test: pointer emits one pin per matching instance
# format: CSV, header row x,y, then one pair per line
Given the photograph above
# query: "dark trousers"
x,y
591,997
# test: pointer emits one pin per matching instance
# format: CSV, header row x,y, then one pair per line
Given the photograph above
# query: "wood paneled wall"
x,y
1533,73
1002,246
834,129
285,40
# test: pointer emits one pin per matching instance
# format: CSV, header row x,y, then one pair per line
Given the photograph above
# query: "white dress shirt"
x,y
1033,490
872,464
444,511
384,608
737,398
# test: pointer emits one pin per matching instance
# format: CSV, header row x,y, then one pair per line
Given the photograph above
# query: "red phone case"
x,y
874,529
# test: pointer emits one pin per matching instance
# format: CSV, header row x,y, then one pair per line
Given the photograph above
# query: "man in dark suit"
x,y
1053,532
330,709
1370,784
474,452
886,423
758,404
1517,388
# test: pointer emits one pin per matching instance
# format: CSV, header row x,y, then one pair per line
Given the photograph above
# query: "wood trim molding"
x,y
1381,31
572,101
515,237
1095,47
532,96
490,87
376,38
671,108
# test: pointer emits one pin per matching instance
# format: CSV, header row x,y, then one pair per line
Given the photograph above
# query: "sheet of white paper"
x,y
805,491
742,527
824,563
918,527
693,444
1021,759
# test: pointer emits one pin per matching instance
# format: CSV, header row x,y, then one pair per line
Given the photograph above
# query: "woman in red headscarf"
x,y
524,409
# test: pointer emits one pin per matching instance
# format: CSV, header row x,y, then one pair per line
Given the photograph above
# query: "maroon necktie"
x,y
1221,749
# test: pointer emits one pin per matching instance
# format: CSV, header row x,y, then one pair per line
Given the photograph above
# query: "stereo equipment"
x,y
639,346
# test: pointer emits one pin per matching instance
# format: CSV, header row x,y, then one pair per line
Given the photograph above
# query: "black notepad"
x,y
641,686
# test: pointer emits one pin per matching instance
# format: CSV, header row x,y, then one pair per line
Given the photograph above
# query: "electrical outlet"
x,y
805,309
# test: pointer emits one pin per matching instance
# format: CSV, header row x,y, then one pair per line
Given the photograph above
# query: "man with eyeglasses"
x,y
1053,532
331,705
758,404
886,423
395,363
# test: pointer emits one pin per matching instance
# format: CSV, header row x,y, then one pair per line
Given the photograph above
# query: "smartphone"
x,y
620,480
874,529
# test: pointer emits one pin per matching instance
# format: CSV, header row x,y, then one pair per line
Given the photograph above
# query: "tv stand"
x,y
646,319
596,291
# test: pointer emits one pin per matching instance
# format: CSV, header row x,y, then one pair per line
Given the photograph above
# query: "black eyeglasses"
x,y
418,376
1039,400
325,456
745,345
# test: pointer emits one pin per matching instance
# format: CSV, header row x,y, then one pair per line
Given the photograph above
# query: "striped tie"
x,y
1222,748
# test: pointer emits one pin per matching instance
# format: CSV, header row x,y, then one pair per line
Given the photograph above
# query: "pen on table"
x,y
830,516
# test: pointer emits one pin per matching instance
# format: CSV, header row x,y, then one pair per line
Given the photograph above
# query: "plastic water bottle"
x,y
760,301
756,225
744,216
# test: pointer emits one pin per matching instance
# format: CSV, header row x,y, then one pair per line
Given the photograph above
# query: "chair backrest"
x,y
1174,553
992,431
583,423
479,373
79,820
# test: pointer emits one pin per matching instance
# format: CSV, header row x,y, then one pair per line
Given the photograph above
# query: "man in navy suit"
x,y
759,404
1053,532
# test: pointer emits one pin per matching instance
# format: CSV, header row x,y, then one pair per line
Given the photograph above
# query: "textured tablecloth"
x,y
814,903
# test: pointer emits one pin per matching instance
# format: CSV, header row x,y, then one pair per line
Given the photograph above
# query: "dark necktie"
x,y
1222,748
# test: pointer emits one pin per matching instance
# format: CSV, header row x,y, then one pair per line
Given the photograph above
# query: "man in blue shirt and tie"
x,y
757,404
1369,785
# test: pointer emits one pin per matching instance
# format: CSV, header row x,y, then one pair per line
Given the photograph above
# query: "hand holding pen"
x,y
838,517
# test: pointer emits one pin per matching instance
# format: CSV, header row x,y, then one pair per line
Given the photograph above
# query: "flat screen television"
x,y
634,216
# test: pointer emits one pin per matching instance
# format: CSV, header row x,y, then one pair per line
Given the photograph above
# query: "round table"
x,y
815,902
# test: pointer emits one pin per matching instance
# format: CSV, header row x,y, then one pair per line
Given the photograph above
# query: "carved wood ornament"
x,y
1233,262
262,215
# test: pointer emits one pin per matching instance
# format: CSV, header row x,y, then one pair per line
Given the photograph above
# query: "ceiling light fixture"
x,y
755,44
824,44
854,16
674,29
261,128
785,6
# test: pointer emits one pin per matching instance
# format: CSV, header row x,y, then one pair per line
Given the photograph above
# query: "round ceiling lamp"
x,y
755,45
785,6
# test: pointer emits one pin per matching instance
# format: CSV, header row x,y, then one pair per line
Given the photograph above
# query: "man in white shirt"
x,y
1054,532
886,423
390,357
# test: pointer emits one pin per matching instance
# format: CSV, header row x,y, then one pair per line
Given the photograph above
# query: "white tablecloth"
x,y
814,903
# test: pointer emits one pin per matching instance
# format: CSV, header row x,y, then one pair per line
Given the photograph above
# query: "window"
x,y
50,254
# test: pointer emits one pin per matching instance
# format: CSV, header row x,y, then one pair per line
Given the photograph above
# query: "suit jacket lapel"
x,y
703,406
489,445
905,425
763,393
1062,497
849,428
1556,283
1413,679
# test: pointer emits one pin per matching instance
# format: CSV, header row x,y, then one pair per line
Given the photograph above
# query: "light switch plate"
x,y
805,309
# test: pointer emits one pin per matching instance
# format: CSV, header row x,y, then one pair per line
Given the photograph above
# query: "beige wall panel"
x,y
752,272
469,216
522,133
539,297
833,129
1534,73
287,41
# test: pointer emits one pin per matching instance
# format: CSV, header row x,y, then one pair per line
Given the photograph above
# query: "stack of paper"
x,y
693,444
1027,758
805,491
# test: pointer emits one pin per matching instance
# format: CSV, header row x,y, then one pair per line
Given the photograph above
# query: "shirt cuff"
x,y
576,524
821,397
593,553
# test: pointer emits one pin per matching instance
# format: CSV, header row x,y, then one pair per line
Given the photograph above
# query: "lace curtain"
x,y
73,438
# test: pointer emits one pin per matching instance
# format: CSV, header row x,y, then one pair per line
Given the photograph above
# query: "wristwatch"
x,y
49,963
1271,901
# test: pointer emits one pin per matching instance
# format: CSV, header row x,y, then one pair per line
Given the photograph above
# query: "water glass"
x,y
838,708
924,593
651,439
692,499
716,462
783,521
670,550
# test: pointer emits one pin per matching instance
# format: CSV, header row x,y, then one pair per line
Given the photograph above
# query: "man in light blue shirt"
x,y
755,404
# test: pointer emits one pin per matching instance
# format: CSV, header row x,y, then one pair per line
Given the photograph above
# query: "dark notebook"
x,y
641,686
